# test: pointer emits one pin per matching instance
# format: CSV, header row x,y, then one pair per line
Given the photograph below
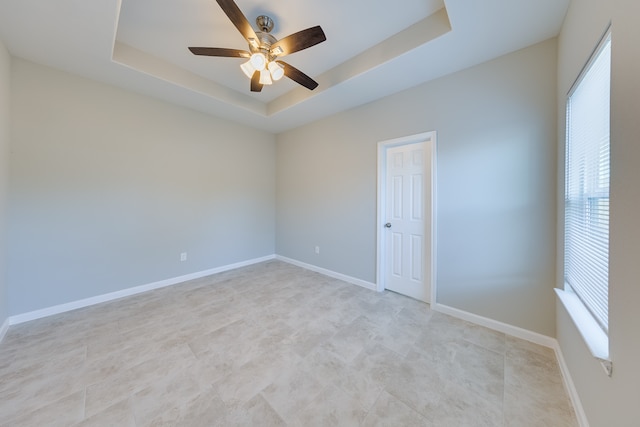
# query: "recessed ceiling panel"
x,y
373,48
165,28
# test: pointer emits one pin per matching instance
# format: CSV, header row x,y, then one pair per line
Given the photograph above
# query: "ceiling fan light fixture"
x,y
265,77
264,49
248,69
276,70
258,61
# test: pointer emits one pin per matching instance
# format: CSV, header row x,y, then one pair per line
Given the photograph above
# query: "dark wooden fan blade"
x,y
298,76
299,41
238,19
220,51
255,82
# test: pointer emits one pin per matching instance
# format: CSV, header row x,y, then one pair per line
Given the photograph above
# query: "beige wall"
x,y
609,401
5,71
496,181
109,187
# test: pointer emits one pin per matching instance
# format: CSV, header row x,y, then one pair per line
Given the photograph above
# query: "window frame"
x,y
593,331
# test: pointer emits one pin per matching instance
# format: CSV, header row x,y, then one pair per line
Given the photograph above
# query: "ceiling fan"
x,y
263,66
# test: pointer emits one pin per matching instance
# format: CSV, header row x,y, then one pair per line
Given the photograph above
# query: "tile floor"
x,y
273,345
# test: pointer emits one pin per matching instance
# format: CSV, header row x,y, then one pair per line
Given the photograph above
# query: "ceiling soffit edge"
x,y
418,34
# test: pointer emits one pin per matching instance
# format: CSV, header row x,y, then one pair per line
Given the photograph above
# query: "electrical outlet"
x,y
317,249
183,256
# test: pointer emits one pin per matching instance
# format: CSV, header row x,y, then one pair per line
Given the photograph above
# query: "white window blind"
x,y
586,257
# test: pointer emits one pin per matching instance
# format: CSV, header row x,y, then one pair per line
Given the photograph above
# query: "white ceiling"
x,y
373,48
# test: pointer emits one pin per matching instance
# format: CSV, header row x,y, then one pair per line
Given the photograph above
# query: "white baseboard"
x,y
514,331
571,388
4,328
339,276
50,311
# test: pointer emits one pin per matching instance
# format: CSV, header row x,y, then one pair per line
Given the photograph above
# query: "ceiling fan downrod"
x,y
264,23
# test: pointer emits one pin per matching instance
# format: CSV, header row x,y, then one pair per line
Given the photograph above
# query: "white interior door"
x,y
407,219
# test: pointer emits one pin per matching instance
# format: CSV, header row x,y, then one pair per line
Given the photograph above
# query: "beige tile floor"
x,y
270,345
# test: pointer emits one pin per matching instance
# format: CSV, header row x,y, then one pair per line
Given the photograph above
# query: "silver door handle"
x,y
388,225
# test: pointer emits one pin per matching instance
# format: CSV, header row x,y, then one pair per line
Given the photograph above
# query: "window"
x,y
586,218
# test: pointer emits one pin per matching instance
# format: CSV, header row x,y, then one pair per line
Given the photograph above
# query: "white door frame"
x,y
383,146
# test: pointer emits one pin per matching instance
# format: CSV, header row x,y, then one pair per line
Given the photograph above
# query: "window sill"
x,y
596,339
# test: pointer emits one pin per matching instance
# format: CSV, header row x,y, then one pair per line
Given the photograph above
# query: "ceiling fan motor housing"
x,y
265,40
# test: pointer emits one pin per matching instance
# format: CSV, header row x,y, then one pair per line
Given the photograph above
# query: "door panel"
x,y
408,212
396,257
417,260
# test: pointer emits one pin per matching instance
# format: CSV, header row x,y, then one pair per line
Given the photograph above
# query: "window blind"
x,y
587,169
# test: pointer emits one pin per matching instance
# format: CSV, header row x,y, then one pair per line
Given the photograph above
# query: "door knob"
x,y
388,225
